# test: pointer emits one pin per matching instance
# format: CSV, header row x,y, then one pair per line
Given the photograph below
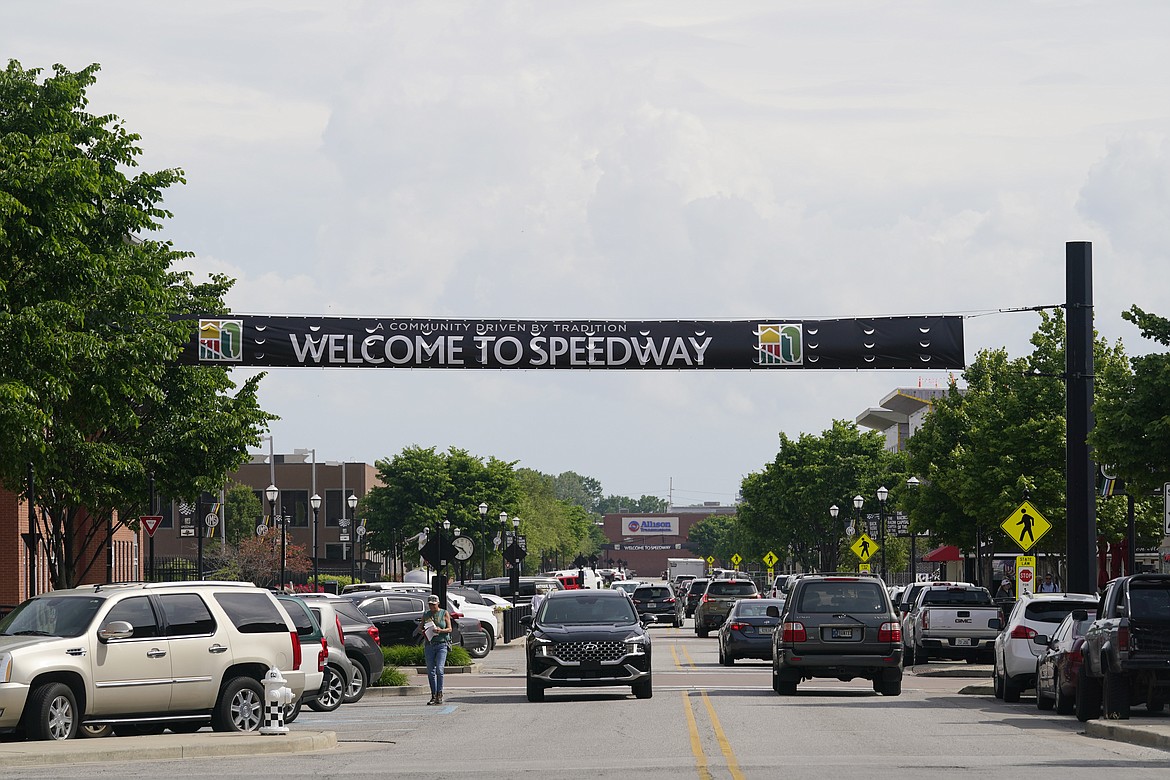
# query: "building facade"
x,y
645,541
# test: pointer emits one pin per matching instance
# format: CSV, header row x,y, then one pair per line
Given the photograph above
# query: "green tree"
x,y
585,492
242,514
643,505
91,326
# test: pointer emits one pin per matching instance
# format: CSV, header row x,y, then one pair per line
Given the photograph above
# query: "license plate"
x,y
841,633
767,629
962,642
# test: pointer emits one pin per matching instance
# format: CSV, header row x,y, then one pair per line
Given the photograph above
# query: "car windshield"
x,y
753,607
52,616
842,597
652,593
1149,601
587,610
1051,611
974,597
731,588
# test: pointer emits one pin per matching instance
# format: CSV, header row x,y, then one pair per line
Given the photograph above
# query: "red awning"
x,y
948,552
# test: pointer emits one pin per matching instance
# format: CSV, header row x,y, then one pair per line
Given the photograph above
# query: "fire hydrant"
x,y
277,696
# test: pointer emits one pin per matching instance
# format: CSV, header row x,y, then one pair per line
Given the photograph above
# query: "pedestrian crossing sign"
x,y
864,547
1026,526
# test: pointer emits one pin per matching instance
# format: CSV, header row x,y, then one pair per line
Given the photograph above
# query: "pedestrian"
x,y
436,629
1049,585
1005,590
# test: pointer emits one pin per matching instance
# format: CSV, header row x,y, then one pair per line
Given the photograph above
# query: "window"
x,y
400,604
335,507
729,588
652,593
373,607
294,504
1050,611
299,616
841,597
956,597
54,615
252,613
335,551
186,615
138,612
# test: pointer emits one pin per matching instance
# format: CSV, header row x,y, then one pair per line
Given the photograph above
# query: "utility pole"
x,y
1080,504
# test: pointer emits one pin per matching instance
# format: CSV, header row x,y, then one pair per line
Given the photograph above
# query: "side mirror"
x,y
526,621
1080,614
995,624
1040,639
646,620
115,629
773,611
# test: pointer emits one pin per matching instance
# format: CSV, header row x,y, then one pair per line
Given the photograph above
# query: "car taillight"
x,y
340,633
296,642
1123,638
373,632
323,654
890,632
636,601
924,619
670,600
737,626
1022,632
793,632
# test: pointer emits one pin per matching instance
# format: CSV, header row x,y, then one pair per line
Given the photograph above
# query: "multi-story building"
x,y
645,541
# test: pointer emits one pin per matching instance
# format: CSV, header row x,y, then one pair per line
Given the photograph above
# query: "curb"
x,y
474,668
383,691
163,746
1146,736
978,690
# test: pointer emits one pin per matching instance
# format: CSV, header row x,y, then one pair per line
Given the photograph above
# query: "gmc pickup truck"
x,y
954,620
1127,649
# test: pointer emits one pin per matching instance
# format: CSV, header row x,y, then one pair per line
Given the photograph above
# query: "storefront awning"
x,y
948,552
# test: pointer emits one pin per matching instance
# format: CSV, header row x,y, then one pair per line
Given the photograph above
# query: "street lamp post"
x,y
858,503
315,503
352,501
516,565
912,484
882,495
483,508
272,493
503,542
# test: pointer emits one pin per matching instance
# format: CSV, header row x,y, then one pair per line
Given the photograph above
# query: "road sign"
x,y
770,560
360,531
863,567
150,523
343,537
1026,526
211,520
735,559
261,529
771,572
343,522
864,548
1025,575
187,531
710,560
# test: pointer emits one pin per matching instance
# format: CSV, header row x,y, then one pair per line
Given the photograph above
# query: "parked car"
x,y
397,616
776,591
502,586
841,627
340,673
586,638
1059,666
694,592
656,603
142,657
312,664
956,621
1014,669
747,632
359,638
716,602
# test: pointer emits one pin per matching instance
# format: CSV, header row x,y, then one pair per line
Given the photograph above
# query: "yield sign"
x,y
1026,525
150,523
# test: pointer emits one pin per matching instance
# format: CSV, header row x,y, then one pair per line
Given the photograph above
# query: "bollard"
x,y
277,696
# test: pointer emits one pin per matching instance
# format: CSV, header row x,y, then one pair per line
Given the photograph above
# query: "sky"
x,y
636,161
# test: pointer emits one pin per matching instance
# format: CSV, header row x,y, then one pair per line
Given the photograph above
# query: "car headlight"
x,y
636,644
541,647
5,667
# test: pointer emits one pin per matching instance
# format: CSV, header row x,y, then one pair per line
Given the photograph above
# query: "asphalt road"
x,y
705,721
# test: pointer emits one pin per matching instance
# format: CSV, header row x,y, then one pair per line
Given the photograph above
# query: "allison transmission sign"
x,y
391,342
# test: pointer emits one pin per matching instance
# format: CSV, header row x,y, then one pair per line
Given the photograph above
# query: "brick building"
x,y
645,541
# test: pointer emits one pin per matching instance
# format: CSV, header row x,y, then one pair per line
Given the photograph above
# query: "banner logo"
x,y
221,341
779,345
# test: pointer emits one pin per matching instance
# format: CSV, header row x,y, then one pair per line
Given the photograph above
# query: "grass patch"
x,y
412,655
392,676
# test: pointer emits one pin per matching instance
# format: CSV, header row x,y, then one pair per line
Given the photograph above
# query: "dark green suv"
x,y
841,627
716,602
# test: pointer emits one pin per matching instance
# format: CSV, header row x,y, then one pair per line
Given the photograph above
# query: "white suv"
x,y
1015,652
143,657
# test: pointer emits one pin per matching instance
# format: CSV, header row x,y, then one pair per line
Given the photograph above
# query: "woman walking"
x,y
436,628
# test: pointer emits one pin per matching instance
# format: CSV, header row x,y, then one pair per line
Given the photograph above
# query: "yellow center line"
x,y
696,743
687,653
674,653
724,745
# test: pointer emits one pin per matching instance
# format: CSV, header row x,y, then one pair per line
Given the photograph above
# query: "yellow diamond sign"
x,y
735,559
710,560
770,559
1025,526
864,547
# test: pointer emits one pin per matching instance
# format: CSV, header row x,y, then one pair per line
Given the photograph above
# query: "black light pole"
x,y
352,501
272,493
882,494
315,503
858,503
150,542
516,563
912,484
483,508
504,545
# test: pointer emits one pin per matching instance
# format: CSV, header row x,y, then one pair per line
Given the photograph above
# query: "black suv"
x,y
584,638
689,600
841,627
656,603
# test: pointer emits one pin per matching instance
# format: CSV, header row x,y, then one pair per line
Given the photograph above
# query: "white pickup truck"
x,y
953,620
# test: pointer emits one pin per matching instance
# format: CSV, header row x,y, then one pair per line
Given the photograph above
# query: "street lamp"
x,y
912,484
352,501
272,493
516,565
882,495
858,503
483,508
503,542
315,503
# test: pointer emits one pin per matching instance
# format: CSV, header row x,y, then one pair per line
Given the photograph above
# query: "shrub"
x,y
392,676
412,655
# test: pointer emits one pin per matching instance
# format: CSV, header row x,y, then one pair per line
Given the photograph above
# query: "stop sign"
x,y
1025,575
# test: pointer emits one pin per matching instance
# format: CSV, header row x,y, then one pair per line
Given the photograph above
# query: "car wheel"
x,y
702,631
1155,705
535,690
1062,703
96,732
357,686
52,713
907,655
1011,689
1043,702
332,691
921,656
644,689
1088,698
888,687
996,682
293,711
1115,697
240,706
481,649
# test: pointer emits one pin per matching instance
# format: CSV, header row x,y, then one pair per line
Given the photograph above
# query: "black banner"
x,y
390,342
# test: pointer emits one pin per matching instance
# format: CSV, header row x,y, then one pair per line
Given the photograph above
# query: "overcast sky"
x,y
636,160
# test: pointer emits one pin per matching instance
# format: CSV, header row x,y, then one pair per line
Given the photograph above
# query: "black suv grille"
x,y
589,652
